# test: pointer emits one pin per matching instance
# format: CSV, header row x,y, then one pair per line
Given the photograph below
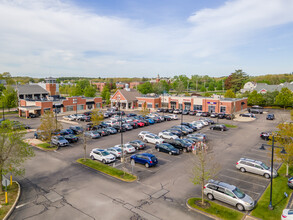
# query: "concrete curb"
x,y
15,202
201,212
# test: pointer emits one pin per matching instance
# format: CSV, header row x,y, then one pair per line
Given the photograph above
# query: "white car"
x,y
143,133
173,117
198,124
204,122
287,214
198,114
79,116
152,138
127,148
68,118
167,135
102,155
116,151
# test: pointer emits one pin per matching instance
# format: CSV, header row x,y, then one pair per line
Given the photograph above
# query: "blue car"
x,y
151,121
147,159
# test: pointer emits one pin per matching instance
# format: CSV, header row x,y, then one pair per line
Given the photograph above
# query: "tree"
x,y
108,96
203,89
211,87
284,98
48,125
89,91
219,85
291,114
255,98
96,117
144,110
207,94
236,80
145,88
83,84
203,169
284,138
14,151
104,91
75,91
180,87
229,94
10,97
270,97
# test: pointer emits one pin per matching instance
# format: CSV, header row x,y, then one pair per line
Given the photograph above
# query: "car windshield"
x,y
153,158
238,193
105,153
95,132
265,166
60,138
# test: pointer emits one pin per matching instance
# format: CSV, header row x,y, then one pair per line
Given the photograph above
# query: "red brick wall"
x,y
154,101
51,88
116,94
44,105
22,102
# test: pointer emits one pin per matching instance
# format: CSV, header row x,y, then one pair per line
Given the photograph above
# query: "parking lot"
x,y
172,172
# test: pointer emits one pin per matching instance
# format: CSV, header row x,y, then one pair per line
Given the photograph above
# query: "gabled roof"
x,y
130,94
30,89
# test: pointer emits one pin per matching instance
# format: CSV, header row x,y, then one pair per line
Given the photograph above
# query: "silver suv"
x,y
255,166
229,194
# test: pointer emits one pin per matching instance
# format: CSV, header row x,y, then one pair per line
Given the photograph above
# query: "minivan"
x,y
229,194
256,167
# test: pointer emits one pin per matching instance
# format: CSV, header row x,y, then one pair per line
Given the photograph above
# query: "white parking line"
x,y
256,155
245,190
242,180
160,158
247,173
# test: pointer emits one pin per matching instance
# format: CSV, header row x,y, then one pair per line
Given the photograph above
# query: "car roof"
x,y
146,154
98,149
251,160
222,184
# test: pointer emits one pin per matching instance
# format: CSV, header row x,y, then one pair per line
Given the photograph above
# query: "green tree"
x,y
10,97
269,98
104,92
203,89
211,87
75,91
48,125
219,85
108,96
97,117
144,110
161,87
180,87
236,80
255,98
14,151
207,94
83,84
145,88
284,98
89,91
229,94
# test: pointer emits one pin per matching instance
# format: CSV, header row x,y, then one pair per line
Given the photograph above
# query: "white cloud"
x,y
42,36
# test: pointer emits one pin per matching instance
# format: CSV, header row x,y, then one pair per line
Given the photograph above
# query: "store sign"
x,y
186,100
213,103
173,100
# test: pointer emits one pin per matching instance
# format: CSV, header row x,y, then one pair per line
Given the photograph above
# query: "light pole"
x,y
118,101
272,165
75,102
181,124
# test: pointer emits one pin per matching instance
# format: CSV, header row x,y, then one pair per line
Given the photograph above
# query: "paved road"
x,y
55,187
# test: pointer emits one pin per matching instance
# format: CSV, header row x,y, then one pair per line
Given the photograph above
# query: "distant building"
x,y
3,82
158,79
133,85
264,87
100,85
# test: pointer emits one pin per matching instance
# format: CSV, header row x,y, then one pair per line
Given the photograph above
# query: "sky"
x,y
144,38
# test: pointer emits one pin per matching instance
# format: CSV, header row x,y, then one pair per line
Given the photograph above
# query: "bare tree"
x,y
203,169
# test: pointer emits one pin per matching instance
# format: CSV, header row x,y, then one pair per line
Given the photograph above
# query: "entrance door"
x,y
187,106
212,108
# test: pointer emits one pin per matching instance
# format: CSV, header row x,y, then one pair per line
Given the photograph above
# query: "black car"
x,y
85,118
159,110
192,112
32,115
76,129
185,112
131,115
167,118
265,135
181,128
170,110
71,138
219,127
177,132
88,113
167,148
189,125
205,114
179,144
270,117
133,124
117,127
229,116
221,115
138,144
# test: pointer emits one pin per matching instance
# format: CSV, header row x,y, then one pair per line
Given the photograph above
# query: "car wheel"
x,y
103,161
170,153
267,176
158,149
147,165
210,196
92,157
242,170
240,207
222,129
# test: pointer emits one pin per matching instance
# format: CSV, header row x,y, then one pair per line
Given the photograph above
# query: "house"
x,y
127,97
264,87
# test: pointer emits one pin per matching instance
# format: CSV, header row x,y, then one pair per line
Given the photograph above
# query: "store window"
x,y
180,106
223,109
79,107
98,105
149,105
157,105
69,108
197,107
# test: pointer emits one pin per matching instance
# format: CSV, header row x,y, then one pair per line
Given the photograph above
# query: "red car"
x,y
139,123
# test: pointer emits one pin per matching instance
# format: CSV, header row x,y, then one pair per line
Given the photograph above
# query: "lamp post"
x,y
118,101
75,102
272,165
181,123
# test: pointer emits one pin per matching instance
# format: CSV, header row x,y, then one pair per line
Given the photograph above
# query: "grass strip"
x,y
217,210
279,201
11,194
46,146
230,126
114,172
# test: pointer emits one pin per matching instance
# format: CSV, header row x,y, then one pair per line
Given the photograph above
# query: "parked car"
x,y
182,129
177,111
256,167
66,132
219,127
167,148
111,130
198,113
143,133
170,110
76,129
214,115
32,115
60,141
255,109
88,113
92,134
152,138
290,182
173,117
167,135
265,135
200,136
191,126
270,117
116,151
85,118
180,144
138,144
249,115
229,194
192,112
102,155
131,115
185,112
127,127
175,132
118,128
229,116
147,159
127,148
205,114
167,118
71,138
68,118
221,115
40,135
287,214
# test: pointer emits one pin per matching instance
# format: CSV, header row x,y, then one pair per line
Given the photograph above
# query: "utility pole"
x,y
196,85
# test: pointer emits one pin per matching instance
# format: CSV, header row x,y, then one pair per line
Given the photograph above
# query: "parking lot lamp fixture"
x,y
272,165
